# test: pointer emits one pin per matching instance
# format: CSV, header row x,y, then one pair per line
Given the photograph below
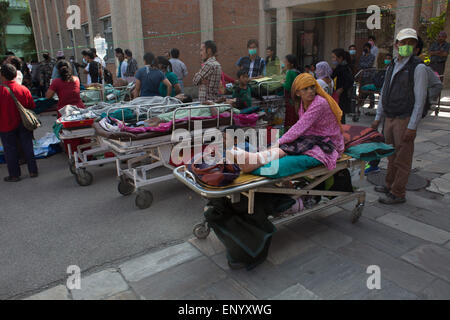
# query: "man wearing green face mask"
x,y
402,104
252,64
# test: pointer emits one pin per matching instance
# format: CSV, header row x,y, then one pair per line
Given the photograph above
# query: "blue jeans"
x,y
10,141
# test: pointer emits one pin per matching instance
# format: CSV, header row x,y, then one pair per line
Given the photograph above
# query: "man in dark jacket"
x,y
402,104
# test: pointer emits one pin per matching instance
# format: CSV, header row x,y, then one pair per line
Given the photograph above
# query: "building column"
x,y
331,39
91,8
61,23
38,39
49,33
284,31
265,35
436,8
128,35
407,14
77,38
207,20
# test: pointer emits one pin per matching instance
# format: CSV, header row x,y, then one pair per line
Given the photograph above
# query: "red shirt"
x,y
9,115
68,92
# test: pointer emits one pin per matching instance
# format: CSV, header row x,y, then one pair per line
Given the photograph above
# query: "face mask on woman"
x,y
406,50
387,62
252,52
353,52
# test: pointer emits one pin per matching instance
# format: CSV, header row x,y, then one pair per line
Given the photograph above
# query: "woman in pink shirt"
x,y
318,133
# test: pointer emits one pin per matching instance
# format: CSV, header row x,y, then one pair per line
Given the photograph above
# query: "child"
x,y
242,93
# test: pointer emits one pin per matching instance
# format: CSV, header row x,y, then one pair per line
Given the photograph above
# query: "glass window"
x,y
108,34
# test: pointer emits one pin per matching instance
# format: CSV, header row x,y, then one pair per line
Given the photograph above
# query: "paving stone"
x,y
403,274
221,261
226,289
405,207
441,166
415,228
210,246
326,213
287,244
419,163
373,212
179,281
330,238
57,293
101,285
305,227
388,291
440,186
446,176
438,290
126,295
297,292
375,234
423,147
267,280
428,175
431,258
438,219
153,263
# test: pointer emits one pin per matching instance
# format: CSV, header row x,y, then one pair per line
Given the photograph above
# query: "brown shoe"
x,y
390,199
11,179
382,189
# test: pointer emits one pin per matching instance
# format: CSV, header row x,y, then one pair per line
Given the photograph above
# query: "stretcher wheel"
x,y
72,168
357,213
144,199
202,231
84,178
125,188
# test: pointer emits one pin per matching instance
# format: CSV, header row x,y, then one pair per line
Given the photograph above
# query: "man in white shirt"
x,y
375,51
122,68
178,67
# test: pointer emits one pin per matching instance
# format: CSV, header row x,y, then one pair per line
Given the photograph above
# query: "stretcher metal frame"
x,y
135,176
276,186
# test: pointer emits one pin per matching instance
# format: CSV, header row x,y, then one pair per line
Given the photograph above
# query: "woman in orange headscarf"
x,y
318,133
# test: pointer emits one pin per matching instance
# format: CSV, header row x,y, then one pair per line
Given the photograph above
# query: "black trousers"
x,y
10,145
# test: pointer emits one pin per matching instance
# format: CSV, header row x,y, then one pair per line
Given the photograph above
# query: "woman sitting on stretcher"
x,y
317,133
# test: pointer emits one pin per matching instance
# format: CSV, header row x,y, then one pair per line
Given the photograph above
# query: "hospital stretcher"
x,y
157,149
249,186
97,152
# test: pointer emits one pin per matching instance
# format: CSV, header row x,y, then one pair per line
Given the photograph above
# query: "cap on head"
x,y
407,33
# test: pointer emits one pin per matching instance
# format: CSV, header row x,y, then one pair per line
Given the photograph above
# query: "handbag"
x,y
29,118
218,175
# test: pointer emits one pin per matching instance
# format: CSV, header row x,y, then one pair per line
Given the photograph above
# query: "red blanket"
x,y
355,135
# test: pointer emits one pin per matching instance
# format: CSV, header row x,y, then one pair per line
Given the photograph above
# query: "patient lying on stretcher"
x,y
318,132
183,114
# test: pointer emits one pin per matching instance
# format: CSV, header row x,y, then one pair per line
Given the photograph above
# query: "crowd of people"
x,y
318,97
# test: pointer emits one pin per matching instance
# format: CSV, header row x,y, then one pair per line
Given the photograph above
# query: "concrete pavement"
x,y
322,257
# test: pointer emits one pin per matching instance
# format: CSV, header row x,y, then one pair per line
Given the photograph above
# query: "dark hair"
x,y
367,45
419,46
16,62
187,99
65,70
119,50
164,62
308,66
9,53
341,53
389,55
149,59
88,53
292,59
129,53
211,45
352,46
241,73
252,41
269,59
8,71
94,51
372,38
175,53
